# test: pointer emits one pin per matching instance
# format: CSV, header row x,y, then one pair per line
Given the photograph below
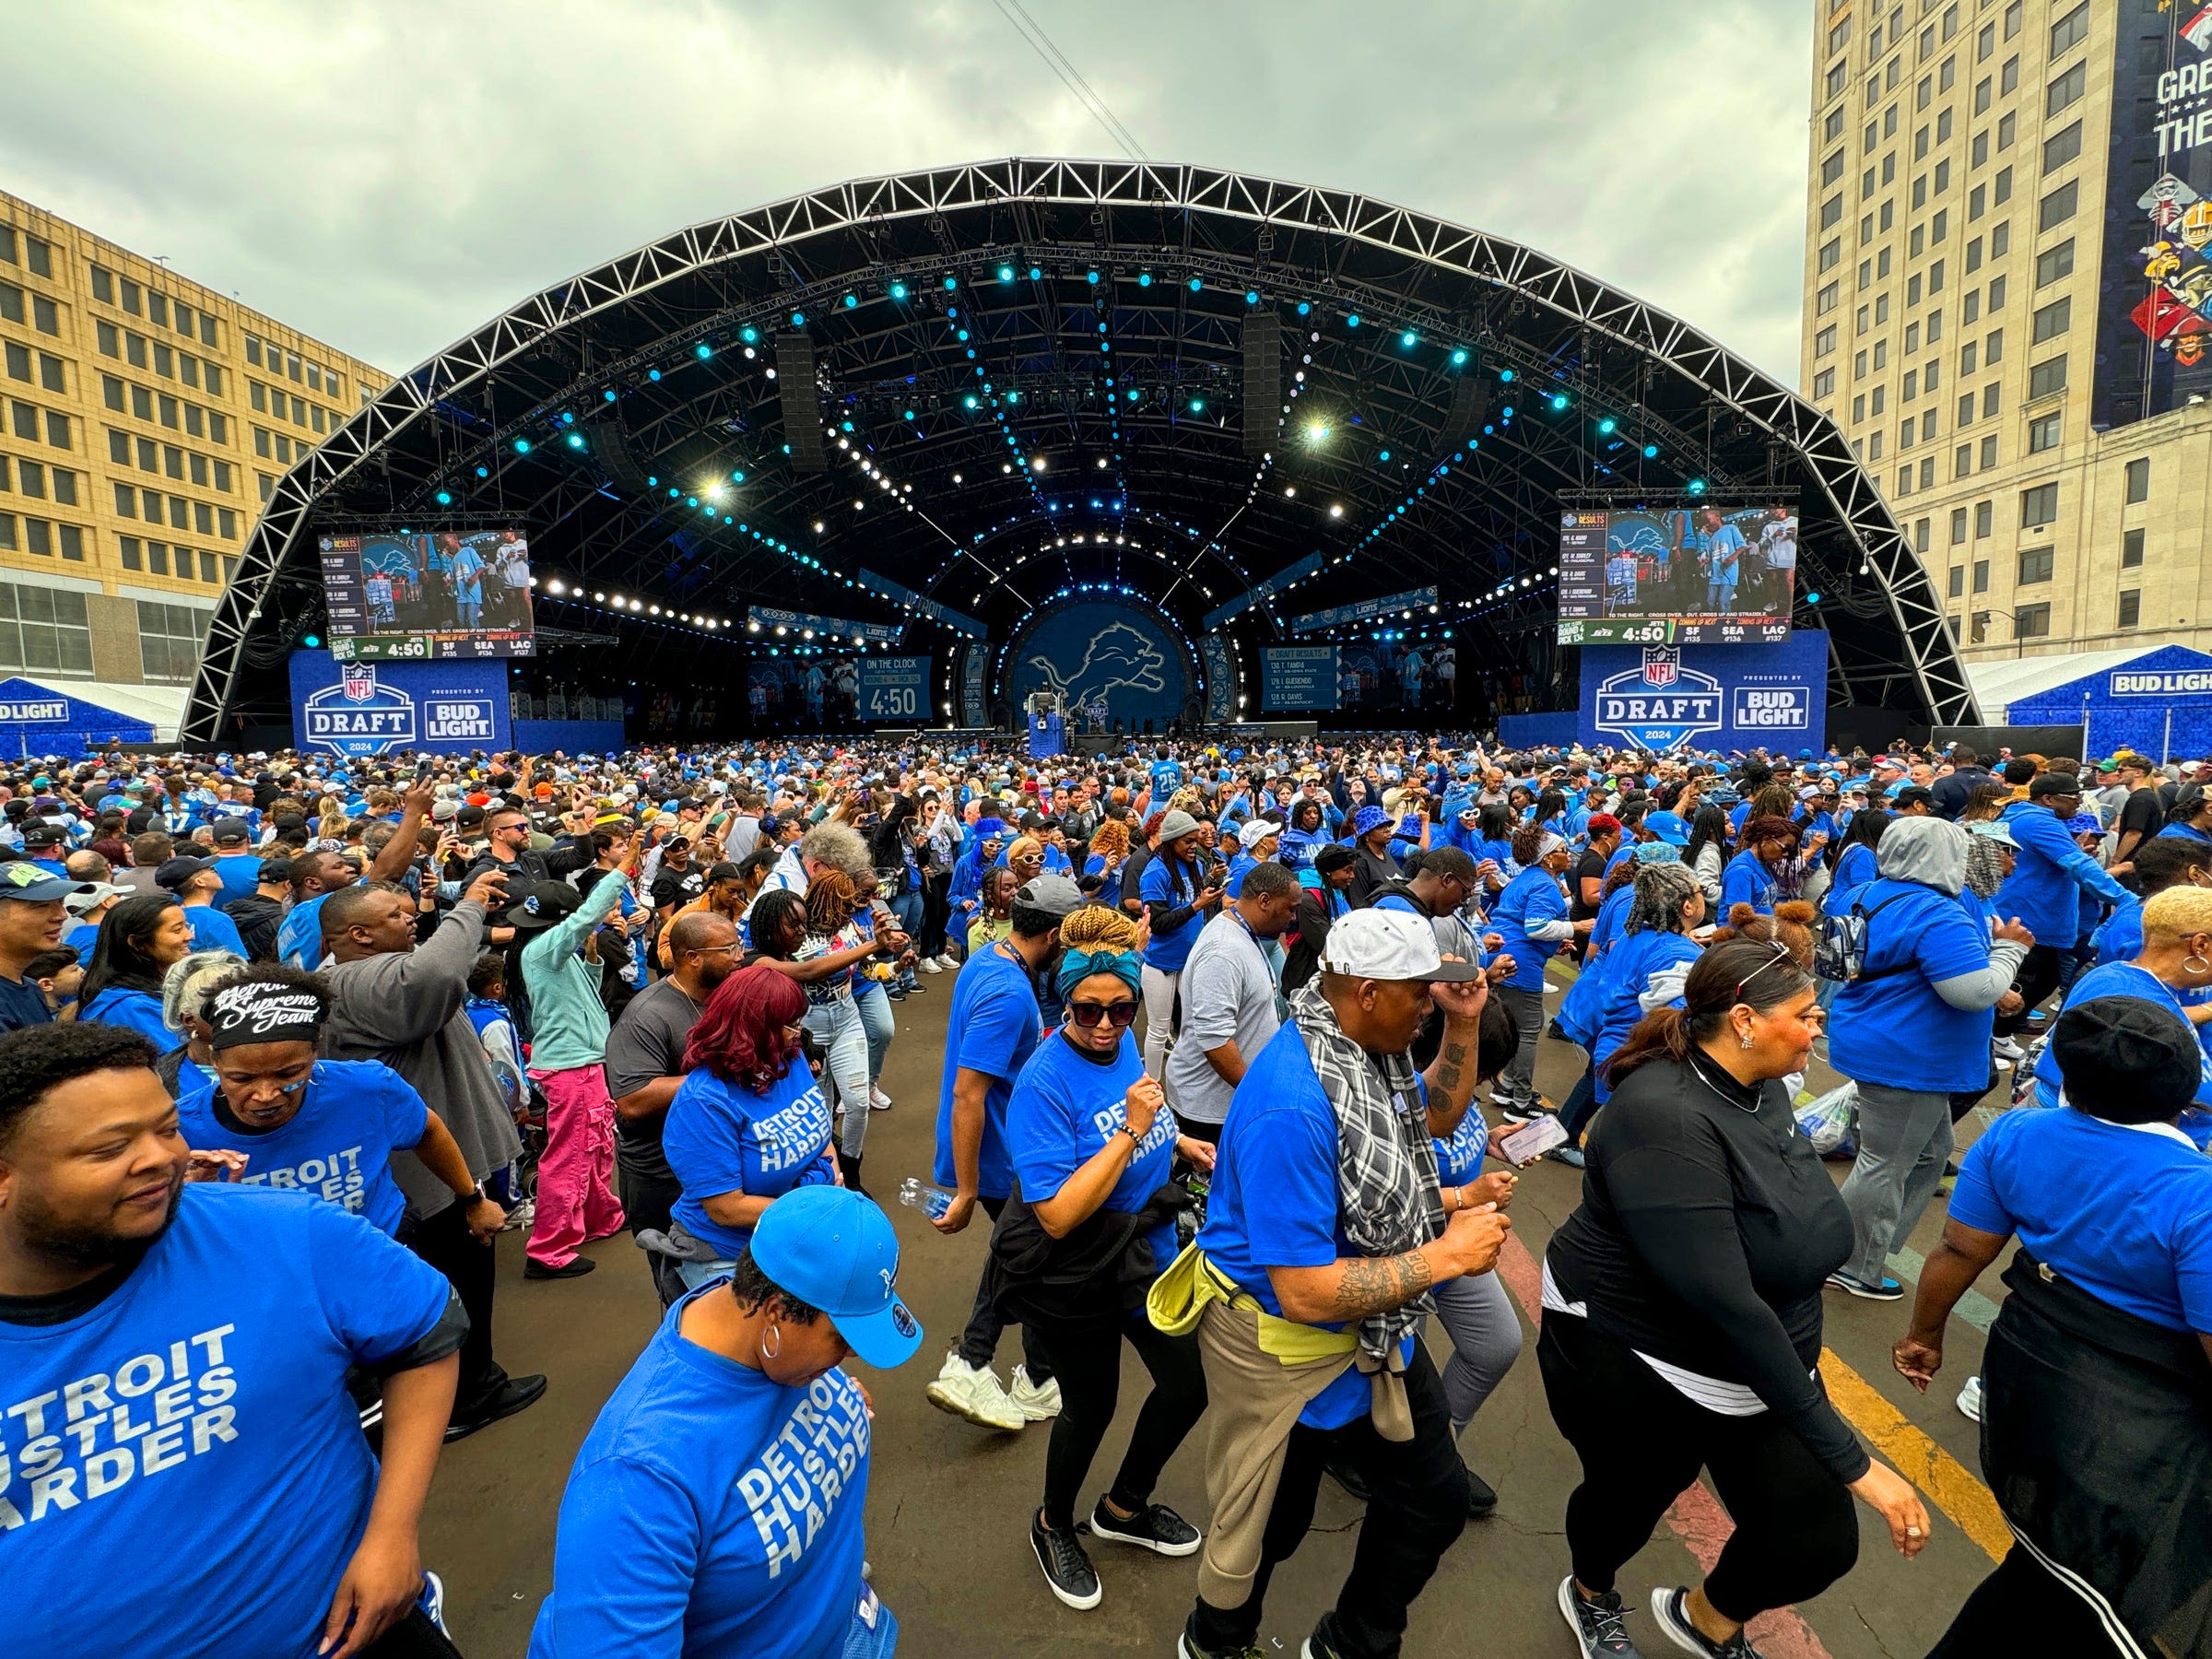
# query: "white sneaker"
x,y
929,965
1035,1401
1969,1400
521,1218
2006,1049
877,1100
974,1393
949,962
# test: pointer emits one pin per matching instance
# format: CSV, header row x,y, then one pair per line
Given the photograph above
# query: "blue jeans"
x,y
876,1018
908,908
1720,596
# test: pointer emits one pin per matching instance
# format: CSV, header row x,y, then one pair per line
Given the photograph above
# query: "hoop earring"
x,y
2194,963
767,1353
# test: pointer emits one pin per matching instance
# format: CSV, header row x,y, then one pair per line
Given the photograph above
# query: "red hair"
x,y
739,1036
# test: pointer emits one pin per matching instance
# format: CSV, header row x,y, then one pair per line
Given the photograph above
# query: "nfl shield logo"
x,y
1661,666
357,682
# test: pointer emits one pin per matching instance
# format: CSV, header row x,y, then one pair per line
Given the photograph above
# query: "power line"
x,y
1070,77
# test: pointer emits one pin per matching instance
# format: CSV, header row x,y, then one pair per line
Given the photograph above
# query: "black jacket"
x,y
1951,790
257,919
1308,933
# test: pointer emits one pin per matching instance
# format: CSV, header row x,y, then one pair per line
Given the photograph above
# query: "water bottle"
x,y
917,1194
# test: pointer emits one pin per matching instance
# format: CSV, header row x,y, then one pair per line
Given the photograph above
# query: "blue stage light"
x,y
310,641
1197,406
1006,273
1384,456
1459,358
1813,598
737,476
521,446
1696,487
652,374
1505,374
702,350
897,292
1606,426
910,415
951,283
1352,320
1091,278
608,394
1558,402
1144,279
445,498
483,472
851,300
1036,273
1196,284
971,401
1252,296
576,440
1408,339
1650,451
798,319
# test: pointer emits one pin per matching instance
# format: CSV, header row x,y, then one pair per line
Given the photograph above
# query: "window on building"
x,y
2131,549
2061,147
1981,98
2051,321
2039,506
1981,575
2047,377
2000,244
1927,473
1830,170
2009,128
31,480
43,630
2035,564
1830,211
1824,383
2008,77
2066,90
1993,348
1985,517
2139,480
2054,264
2058,207
169,636
1824,343
2031,622
1958,525
2044,432
1957,586
2131,607
2068,32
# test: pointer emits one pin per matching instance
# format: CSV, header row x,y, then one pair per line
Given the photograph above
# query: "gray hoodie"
x,y
1931,851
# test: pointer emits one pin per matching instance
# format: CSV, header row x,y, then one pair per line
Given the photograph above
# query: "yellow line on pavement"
x,y
1946,1482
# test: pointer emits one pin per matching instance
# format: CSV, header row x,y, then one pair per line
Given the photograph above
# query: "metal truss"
x,y
458,411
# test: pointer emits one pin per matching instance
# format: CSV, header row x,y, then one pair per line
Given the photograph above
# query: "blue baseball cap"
x,y
1668,826
833,1249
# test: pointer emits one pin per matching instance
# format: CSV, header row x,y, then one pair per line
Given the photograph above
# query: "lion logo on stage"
x,y
1118,657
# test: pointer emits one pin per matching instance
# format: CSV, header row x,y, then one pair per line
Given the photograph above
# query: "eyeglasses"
x,y
1118,1014
1781,954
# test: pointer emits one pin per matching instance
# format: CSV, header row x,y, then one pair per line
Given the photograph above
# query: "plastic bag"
x,y
1831,1122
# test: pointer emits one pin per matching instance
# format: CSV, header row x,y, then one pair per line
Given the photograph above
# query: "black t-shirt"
x,y
22,1003
647,1042
1590,867
2140,815
678,887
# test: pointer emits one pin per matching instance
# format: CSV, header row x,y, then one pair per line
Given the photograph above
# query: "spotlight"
x,y
1352,320
1197,406
1459,358
521,446
1408,339
1606,426
445,498
1695,487
575,440
1650,451
313,640
703,351
1006,273
1558,402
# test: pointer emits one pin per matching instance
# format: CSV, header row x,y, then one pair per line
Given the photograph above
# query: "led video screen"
x,y
450,596
1707,575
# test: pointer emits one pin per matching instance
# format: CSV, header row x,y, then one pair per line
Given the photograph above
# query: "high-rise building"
x,y
2008,303
143,421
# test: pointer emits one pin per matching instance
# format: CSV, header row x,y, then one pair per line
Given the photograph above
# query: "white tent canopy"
x,y
162,707
1999,684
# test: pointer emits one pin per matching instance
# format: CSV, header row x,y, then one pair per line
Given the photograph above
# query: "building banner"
x,y
363,709
1707,697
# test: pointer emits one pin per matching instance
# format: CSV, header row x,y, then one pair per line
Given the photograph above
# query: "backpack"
x,y
1840,954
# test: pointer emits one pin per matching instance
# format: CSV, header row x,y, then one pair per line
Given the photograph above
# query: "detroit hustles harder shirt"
x,y
200,1413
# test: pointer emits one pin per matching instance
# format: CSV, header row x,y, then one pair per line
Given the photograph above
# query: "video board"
x,y
1708,574
449,596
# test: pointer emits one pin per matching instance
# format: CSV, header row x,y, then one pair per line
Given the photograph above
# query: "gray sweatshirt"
x,y
405,1009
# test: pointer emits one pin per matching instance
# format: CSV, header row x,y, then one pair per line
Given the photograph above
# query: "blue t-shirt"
x,y
2118,979
711,1511
203,1406
240,873
338,1146
1274,1201
1459,1159
1854,866
1627,974
2124,1211
1532,898
1888,1026
1745,879
1066,1106
993,1026
1171,948
722,1137
299,936
1110,884
23,1004
211,930
134,1010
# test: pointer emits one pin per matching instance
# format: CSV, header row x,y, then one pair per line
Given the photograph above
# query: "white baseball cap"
x,y
1389,945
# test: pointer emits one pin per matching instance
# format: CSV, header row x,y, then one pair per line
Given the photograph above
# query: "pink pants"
x,y
575,1202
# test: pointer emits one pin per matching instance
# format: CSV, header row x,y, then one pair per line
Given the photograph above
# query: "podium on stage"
x,y
1048,726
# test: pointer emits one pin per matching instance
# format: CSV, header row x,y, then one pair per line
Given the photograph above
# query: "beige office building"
x,y
143,421
2024,373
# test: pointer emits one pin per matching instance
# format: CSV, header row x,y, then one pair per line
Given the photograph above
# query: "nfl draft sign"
x,y
356,717
1659,704
358,710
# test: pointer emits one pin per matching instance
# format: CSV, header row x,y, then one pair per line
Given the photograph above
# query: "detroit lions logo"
x,y
1120,655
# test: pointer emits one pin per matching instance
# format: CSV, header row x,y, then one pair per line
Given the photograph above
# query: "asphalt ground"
x,y
949,1503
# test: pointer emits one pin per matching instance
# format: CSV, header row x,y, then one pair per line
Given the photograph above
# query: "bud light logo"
x,y
1659,704
357,716
1771,709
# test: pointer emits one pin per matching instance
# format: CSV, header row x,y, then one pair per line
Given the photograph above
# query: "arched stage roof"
x,y
967,322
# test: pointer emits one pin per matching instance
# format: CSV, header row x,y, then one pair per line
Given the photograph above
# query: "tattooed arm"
x,y
1451,1076
1352,1288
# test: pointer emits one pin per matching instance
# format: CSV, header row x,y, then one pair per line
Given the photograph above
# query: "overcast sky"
x,y
386,176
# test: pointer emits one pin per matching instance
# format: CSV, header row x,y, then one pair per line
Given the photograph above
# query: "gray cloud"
x,y
387,176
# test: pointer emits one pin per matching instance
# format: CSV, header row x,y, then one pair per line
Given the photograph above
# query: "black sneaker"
x,y
1668,1608
1187,1646
1349,1477
1154,1527
1066,1568
1321,1644
1482,1500
512,1394
576,1267
1598,1625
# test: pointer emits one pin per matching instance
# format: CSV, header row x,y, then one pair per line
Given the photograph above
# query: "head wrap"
x,y
259,1011
1657,853
1078,965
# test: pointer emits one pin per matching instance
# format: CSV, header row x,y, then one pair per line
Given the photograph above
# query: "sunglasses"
x,y
1118,1014
1781,954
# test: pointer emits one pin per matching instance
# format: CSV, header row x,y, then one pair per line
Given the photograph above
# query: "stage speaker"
x,y
610,442
802,405
1263,379
1470,407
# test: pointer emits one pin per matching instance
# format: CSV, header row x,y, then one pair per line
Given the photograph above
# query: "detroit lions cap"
x,y
835,1250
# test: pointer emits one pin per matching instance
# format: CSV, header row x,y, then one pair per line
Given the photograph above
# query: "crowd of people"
x,y
291,1041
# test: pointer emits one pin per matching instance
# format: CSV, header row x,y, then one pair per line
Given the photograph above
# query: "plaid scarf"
x,y
1386,1179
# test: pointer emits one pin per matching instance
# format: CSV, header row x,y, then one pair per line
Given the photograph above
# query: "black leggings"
x,y
2038,977
445,1242
1087,1359
1418,1508
978,1343
1642,1443
2021,1609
